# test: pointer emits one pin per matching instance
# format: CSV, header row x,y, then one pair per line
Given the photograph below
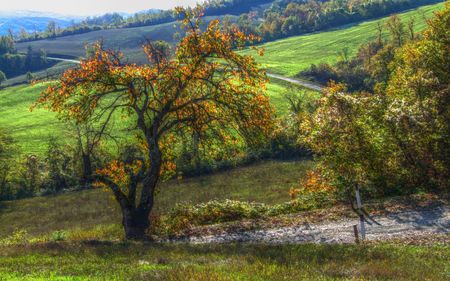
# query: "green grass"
x,y
290,56
122,261
266,182
32,130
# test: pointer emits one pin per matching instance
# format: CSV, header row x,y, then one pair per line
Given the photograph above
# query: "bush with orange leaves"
x,y
313,184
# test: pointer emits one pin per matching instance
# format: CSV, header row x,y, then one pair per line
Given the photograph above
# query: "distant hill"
x,y
127,40
32,21
290,56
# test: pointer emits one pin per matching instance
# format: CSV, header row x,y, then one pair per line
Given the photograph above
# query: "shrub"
x,y
20,236
185,216
59,235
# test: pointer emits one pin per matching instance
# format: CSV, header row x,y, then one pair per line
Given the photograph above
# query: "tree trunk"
x,y
87,170
135,223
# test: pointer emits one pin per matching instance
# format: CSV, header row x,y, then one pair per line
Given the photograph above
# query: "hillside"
x,y
290,56
127,40
32,130
287,56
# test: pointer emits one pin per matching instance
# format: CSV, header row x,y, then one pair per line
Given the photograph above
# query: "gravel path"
x,y
396,225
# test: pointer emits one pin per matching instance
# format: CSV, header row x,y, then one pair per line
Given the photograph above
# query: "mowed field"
x,y
127,40
290,56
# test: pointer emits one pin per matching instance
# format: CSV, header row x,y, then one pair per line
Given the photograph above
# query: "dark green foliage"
x,y
60,171
289,18
2,77
7,150
13,63
395,139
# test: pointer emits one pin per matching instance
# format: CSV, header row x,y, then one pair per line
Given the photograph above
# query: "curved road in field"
x,y
305,84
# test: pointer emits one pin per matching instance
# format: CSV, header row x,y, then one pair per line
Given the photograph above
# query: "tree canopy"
x,y
204,87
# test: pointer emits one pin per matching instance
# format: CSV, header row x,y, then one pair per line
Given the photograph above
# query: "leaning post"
x,y
361,214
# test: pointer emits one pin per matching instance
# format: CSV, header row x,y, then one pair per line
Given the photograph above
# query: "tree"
x,y
23,34
51,28
418,115
394,140
7,150
30,77
2,77
205,87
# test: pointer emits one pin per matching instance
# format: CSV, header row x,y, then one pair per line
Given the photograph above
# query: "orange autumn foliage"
x,y
313,183
205,86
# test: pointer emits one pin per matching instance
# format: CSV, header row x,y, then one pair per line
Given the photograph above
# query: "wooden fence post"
x,y
361,215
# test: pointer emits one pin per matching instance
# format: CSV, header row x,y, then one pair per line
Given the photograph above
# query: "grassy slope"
x,y
267,182
128,40
32,130
290,56
223,262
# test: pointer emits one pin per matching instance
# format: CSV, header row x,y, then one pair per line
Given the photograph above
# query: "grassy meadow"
x,y
127,261
290,56
86,210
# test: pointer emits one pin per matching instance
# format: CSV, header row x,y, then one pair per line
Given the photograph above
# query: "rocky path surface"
x,y
392,226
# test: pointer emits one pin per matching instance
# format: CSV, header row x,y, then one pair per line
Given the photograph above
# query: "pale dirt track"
x,y
392,226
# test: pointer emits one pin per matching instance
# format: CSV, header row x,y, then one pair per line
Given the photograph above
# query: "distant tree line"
x,y
152,17
13,63
281,19
288,18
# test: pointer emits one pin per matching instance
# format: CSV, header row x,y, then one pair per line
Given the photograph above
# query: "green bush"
x,y
185,216
59,236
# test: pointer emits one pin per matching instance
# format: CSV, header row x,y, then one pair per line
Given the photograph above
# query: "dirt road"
x,y
395,225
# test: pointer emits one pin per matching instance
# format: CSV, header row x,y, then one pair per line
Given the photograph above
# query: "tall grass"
x,y
112,261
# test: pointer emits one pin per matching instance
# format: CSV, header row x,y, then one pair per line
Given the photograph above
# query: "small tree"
x,y
59,167
206,86
29,77
7,150
2,77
